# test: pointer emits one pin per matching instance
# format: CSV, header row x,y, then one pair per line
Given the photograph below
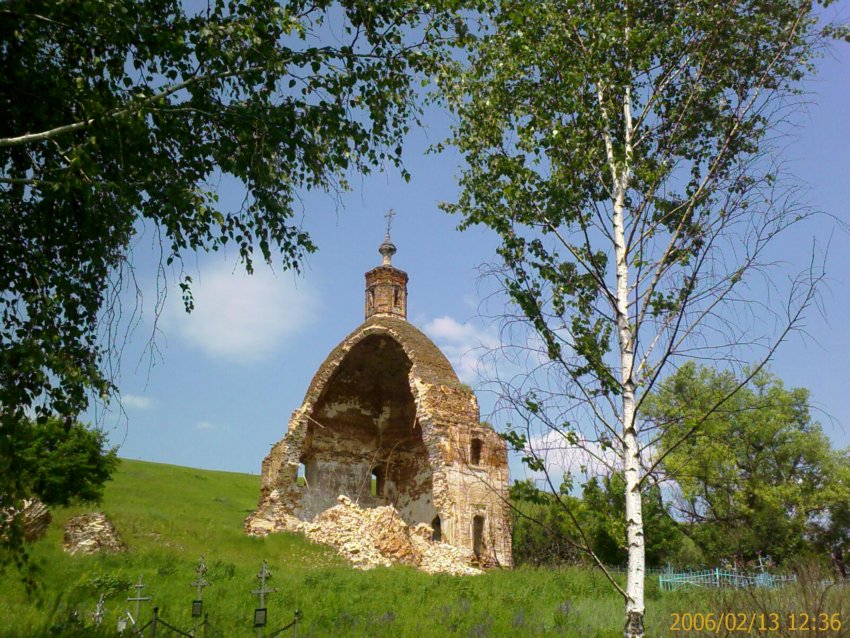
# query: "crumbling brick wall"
x,y
386,398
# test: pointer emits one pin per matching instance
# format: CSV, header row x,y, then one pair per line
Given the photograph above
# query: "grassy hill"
x,y
169,516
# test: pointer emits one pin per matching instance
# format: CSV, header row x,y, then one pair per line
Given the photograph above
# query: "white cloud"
x,y
134,401
240,317
464,344
204,425
584,458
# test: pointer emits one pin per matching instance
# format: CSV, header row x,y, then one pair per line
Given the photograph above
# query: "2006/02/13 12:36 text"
x,y
752,623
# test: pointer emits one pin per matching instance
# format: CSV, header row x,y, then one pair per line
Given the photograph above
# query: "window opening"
x,y
437,534
308,473
395,296
475,452
377,481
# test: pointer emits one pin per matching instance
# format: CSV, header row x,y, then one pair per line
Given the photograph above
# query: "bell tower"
x,y
386,285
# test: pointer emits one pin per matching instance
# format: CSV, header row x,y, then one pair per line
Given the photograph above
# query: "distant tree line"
x,y
760,479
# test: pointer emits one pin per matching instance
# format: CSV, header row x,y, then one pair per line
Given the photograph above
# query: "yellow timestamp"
x,y
753,623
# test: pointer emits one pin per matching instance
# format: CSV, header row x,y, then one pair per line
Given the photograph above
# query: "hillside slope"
x,y
169,516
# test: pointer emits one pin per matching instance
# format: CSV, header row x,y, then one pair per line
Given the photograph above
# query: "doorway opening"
x,y
437,534
377,481
477,535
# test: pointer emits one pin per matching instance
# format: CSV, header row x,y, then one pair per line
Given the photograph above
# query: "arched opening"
x,y
477,535
363,434
308,472
437,533
395,296
371,298
475,452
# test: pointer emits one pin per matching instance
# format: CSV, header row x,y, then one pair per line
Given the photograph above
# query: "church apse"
x,y
364,440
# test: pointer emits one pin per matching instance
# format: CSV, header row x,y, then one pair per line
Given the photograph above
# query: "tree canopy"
x,y
65,464
124,114
759,476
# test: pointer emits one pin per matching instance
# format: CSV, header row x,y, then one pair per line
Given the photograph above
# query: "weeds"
x,y
815,606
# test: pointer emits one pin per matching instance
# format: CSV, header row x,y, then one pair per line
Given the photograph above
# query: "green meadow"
x,y
169,516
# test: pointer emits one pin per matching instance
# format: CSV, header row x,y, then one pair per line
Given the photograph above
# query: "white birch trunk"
x,y
631,450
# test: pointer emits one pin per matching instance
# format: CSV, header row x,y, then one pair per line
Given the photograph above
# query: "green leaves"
x,y
758,475
565,109
65,464
617,151
519,443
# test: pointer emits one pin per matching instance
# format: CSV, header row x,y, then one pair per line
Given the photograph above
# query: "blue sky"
x,y
228,376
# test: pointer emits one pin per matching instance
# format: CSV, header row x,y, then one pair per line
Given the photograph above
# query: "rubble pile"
x,y
36,519
372,537
33,517
90,533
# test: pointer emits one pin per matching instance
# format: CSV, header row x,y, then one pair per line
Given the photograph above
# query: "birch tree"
x,y
622,152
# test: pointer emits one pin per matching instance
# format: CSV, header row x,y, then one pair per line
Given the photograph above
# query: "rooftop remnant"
x,y
386,422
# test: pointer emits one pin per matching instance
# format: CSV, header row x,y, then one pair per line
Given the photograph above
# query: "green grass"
x,y
169,516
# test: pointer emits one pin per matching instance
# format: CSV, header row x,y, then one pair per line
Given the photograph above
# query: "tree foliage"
x,y
551,529
759,475
122,114
63,464
606,510
541,532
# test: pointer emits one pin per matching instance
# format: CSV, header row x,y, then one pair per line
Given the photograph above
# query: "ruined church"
x,y
385,421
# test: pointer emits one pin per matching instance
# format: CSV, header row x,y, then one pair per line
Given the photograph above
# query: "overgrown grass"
x,y
169,516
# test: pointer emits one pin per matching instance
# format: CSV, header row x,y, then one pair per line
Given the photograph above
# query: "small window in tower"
x,y
371,298
395,296
475,452
377,481
301,476
437,534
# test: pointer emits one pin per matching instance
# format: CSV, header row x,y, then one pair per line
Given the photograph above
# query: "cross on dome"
x,y
387,248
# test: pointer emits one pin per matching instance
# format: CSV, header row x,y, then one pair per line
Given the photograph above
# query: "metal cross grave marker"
x,y
260,612
97,615
138,598
199,584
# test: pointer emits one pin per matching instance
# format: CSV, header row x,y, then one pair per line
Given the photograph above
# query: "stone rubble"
x,y
371,537
91,533
34,518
